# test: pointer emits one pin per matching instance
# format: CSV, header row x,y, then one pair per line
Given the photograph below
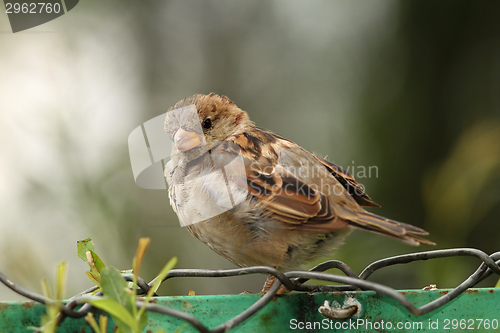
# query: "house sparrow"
x,y
257,198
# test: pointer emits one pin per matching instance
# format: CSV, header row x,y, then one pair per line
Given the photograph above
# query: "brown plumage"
x,y
296,207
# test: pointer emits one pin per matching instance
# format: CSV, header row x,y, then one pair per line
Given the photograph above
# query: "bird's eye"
x,y
207,123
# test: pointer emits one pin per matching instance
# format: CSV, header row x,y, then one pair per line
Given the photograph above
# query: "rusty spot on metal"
x,y
471,291
444,292
29,304
187,305
268,318
491,291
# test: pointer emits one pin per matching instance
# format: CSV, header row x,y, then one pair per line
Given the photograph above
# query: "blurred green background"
x,y
409,87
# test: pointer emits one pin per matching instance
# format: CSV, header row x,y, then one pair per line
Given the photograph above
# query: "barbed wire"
x,y
293,281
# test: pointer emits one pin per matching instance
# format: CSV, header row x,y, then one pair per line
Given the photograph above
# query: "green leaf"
x,y
163,274
50,319
498,284
118,311
142,247
157,281
89,318
83,246
93,278
62,269
99,264
46,288
143,321
103,323
114,286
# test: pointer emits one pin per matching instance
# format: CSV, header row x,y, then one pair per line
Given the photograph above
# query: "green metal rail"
x,y
474,310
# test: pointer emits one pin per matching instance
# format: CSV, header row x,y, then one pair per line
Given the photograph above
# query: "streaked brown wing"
x,y
291,201
350,184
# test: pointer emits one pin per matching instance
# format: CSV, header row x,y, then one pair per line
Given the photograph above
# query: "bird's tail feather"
x,y
406,233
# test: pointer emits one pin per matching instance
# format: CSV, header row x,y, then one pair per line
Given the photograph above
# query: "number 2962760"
x,y
32,8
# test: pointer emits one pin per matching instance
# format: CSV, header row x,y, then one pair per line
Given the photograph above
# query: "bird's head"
x,y
204,119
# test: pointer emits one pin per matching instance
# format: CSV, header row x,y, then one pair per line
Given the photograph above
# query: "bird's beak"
x,y
186,140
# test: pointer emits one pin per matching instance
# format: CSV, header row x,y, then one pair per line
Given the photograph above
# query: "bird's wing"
x,y
307,193
349,182
288,199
